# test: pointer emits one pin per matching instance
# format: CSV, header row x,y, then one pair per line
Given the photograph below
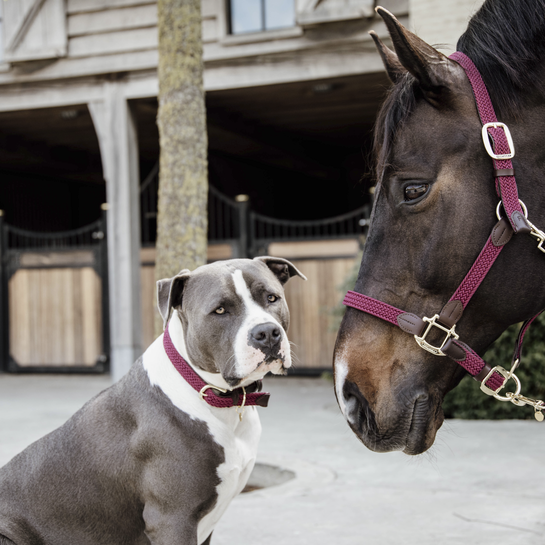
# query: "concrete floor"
x,y
482,483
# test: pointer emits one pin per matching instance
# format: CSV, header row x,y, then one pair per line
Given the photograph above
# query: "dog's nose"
x,y
265,336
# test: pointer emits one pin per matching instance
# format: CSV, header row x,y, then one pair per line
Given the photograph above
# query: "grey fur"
x,y
130,468
122,470
211,286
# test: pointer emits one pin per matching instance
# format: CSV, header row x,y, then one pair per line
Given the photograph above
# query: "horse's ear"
x,y
424,62
394,68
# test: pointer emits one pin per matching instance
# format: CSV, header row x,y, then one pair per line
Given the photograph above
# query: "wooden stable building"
x,y
292,90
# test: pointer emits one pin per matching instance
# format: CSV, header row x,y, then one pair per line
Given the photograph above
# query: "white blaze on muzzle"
x,y
247,357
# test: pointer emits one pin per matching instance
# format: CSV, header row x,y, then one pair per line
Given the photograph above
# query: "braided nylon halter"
x,y
239,397
492,379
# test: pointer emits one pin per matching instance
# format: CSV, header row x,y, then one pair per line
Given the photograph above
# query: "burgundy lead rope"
x,y
501,234
239,397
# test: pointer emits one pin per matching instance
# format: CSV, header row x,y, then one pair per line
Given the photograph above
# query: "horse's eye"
x,y
272,298
414,191
220,310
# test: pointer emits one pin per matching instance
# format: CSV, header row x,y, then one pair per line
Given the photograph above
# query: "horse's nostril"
x,y
357,409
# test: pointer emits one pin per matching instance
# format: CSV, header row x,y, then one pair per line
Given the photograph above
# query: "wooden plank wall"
x,y
312,326
55,317
105,27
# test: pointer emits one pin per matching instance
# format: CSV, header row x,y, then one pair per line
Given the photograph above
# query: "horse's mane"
x,y
505,40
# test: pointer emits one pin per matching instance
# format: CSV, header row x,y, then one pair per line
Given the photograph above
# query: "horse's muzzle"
x,y
407,423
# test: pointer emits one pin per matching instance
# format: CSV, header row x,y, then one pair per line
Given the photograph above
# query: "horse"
x,y
436,202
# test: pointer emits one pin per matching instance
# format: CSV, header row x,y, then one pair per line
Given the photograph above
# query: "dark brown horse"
x,y
434,210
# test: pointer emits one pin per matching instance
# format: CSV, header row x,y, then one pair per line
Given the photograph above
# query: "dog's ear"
x,y
169,294
281,268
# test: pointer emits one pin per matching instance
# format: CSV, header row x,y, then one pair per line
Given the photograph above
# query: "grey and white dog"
x,y
148,460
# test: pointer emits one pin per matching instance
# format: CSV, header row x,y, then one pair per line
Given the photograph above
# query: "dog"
x,y
157,457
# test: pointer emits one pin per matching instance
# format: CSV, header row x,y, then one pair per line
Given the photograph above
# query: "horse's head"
x,y
434,210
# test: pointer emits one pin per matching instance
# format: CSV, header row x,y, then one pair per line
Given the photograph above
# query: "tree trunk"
x,y
183,169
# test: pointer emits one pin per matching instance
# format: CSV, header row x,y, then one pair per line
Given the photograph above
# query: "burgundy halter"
x,y
240,397
492,379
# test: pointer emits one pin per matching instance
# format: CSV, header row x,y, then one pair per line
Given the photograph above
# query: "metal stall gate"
x,y
54,299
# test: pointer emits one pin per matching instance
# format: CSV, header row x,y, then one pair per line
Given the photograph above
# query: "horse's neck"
x,y
529,161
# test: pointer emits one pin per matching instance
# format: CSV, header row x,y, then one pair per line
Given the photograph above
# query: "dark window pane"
x,y
279,14
246,16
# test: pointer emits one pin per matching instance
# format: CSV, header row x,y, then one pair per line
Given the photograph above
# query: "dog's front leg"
x,y
169,527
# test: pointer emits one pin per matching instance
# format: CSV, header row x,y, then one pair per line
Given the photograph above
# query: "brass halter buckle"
x,y
535,232
506,375
435,350
514,397
488,146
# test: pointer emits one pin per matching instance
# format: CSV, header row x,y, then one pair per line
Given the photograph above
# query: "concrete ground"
x,y
482,483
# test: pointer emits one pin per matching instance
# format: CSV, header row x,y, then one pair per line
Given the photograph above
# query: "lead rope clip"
x,y
514,397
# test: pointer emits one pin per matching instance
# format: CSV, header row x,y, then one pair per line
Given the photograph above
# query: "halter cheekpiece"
x,y
492,379
213,395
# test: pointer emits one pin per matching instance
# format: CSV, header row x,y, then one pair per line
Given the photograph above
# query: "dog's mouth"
x,y
275,364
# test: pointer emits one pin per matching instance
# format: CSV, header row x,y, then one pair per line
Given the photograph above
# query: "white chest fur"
x,y
239,439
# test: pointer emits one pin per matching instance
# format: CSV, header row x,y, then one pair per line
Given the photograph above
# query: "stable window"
x,y
260,15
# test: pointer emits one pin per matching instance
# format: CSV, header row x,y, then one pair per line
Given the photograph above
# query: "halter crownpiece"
x,y
240,397
492,379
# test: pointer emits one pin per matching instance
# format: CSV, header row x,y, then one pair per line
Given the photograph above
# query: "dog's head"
x,y
234,316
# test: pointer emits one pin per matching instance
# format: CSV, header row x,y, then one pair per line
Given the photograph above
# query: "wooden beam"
x,y
24,25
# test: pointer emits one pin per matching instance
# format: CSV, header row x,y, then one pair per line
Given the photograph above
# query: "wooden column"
x,y
116,133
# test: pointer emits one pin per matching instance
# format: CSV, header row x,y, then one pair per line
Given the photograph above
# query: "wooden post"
x,y
116,131
183,171
4,301
243,205
106,347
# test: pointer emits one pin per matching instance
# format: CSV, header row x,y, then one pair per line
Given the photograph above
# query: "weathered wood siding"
x,y
97,37
312,326
55,317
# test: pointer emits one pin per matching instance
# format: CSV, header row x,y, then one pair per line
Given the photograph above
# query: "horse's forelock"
x,y
395,110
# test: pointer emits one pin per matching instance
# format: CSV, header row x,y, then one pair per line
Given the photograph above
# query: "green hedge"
x,y
466,400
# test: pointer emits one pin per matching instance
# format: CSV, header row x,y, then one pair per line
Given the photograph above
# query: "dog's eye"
x,y
220,310
272,298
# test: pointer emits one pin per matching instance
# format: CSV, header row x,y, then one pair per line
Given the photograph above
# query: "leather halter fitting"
x,y
492,379
214,396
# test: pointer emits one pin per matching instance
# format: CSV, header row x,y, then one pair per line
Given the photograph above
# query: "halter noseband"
x,y
492,379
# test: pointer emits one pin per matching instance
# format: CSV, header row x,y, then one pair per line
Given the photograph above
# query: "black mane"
x,y
505,40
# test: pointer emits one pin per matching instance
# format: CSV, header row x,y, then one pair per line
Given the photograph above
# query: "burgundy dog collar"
x,y
214,396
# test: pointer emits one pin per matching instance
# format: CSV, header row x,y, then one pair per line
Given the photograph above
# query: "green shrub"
x,y
467,400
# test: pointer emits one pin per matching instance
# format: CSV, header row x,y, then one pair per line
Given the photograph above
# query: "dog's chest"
x,y
240,450
238,438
